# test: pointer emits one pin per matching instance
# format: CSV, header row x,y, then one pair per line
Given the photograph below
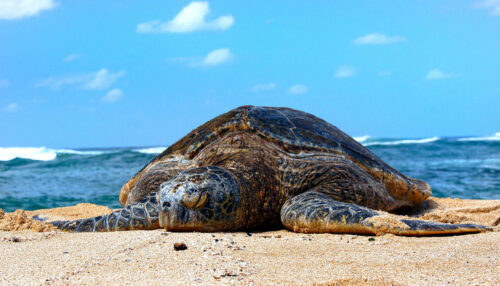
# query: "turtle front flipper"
x,y
315,212
139,216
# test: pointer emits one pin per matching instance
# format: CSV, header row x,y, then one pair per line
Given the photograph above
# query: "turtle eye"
x,y
195,200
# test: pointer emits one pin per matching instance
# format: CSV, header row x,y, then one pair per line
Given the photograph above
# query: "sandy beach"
x,y
34,253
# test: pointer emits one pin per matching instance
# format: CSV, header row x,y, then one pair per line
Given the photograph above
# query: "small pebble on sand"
x,y
180,246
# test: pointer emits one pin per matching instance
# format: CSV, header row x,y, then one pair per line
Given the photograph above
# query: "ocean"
x,y
35,178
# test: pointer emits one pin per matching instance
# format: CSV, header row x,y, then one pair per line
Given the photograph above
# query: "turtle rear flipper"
x,y
315,212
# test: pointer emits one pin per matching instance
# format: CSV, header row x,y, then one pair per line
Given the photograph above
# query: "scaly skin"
x,y
139,216
316,212
292,131
256,167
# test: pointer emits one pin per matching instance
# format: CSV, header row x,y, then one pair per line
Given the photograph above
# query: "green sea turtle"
x,y
259,167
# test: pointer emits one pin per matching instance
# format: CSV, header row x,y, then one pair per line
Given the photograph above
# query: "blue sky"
x,y
126,73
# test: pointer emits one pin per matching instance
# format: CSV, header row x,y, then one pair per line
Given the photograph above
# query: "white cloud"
x,y
378,39
298,89
72,57
213,58
263,87
493,5
191,18
345,71
112,96
437,74
103,79
13,107
99,80
17,9
4,83
217,57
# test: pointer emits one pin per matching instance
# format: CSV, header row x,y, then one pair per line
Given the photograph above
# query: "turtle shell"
x,y
294,131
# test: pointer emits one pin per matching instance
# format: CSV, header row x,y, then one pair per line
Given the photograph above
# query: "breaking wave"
x,y
494,137
362,139
48,154
400,142
152,150
39,153
33,153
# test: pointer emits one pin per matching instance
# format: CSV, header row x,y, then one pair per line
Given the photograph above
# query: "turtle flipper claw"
x,y
421,227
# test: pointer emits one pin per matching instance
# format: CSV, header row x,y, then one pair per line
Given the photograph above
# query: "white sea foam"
x,y
361,139
494,137
152,150
400,142
69,151
33,153
38,153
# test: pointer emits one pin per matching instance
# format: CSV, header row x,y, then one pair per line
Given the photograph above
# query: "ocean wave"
x,y
494,137
151,150
39,153
33,153
76,152
400,142
361,139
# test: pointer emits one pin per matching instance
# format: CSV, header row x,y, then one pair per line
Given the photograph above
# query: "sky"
x,y
88,73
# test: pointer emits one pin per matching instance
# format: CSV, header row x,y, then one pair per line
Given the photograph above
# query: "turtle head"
x,y
201,199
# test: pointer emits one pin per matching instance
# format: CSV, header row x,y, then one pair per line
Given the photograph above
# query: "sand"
x,y
31,254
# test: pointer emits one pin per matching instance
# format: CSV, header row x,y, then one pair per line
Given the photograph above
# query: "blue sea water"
x,y
34,178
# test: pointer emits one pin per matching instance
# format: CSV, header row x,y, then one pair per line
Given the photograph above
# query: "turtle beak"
x,y
166,209
172,215
163,220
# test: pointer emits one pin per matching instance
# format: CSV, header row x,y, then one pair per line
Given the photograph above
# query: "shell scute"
x,y
293,131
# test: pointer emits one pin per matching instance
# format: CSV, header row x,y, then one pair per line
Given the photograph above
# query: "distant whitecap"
x,y
69,151
32,153
152,150
494,137
361,139
407,141
38,153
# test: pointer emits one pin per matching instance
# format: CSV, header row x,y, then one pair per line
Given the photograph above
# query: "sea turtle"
x,y
259,167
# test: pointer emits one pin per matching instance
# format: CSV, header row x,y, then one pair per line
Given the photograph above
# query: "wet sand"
x,y
274,257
